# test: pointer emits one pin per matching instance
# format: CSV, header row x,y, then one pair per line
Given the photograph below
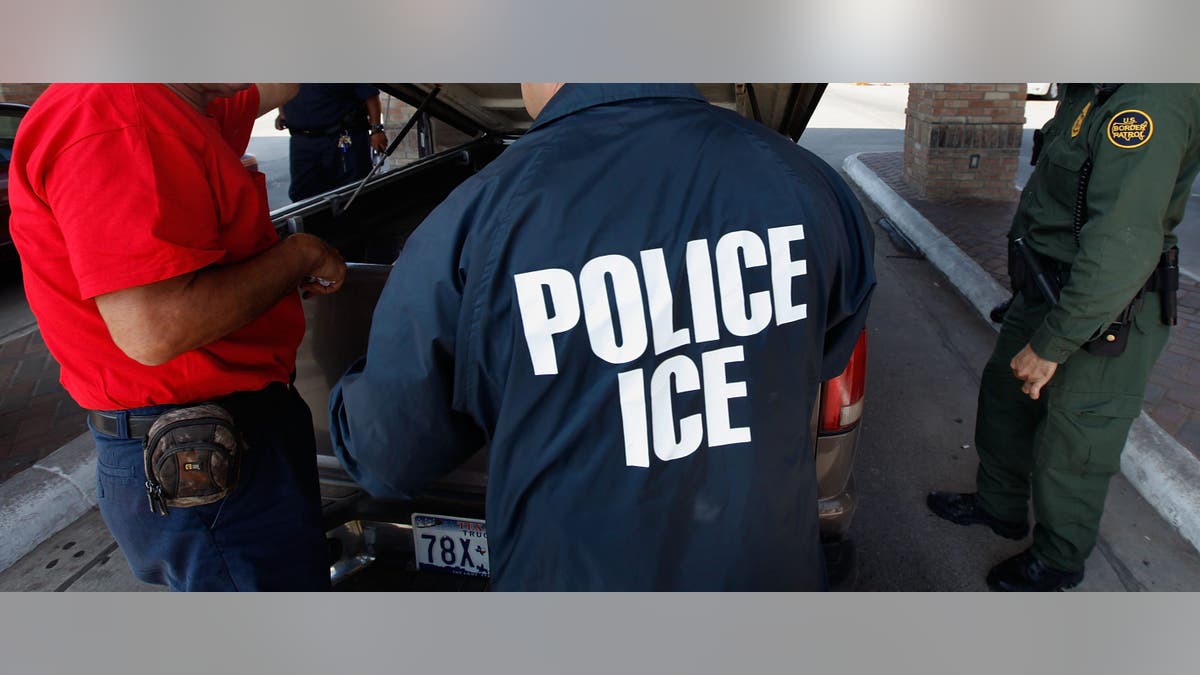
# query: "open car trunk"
x,y
477,122
498,109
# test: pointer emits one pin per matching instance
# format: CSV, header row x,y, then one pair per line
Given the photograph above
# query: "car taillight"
x,y
842,397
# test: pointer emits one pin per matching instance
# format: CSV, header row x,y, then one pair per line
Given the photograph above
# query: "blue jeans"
x,y
266,535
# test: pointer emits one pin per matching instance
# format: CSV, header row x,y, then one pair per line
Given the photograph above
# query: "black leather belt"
x,y
109,424
335,130
314,133
138,426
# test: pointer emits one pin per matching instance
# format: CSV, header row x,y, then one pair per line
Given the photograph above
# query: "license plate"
x,y
456,545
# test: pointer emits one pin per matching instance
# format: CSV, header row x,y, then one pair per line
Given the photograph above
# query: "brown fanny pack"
x,y
192,457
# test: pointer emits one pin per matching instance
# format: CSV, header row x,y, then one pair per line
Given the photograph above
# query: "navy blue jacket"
x,y
317,107
632,307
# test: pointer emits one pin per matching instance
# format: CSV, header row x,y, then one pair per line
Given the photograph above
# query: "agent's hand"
x,y
326,269
1033,370
280,123
379,141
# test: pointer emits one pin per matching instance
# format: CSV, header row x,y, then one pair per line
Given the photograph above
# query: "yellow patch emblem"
x,y
1130,129
1079,120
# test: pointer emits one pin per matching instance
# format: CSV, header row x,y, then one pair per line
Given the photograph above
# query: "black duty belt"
x,y
353,121
1165,278
326,133
110,424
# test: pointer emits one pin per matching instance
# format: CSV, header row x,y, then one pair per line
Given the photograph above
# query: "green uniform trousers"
x,y
1066,445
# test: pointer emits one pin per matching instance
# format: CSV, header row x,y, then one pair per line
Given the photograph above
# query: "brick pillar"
x,y
395,116
961,141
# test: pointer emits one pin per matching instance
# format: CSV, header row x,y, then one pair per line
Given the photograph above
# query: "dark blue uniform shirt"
x,y
632,307
320,114
318,107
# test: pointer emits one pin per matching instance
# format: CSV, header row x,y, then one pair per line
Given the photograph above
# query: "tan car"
x,y
379,544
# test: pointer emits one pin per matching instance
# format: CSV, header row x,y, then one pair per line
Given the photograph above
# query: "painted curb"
x,y
19,332
43,499
1162,470
972,282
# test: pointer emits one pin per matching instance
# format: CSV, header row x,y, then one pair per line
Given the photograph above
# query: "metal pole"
x,y
390,149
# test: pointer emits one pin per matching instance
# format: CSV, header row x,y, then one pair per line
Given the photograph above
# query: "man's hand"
x,y
1033,370
379,141
327,270
280,123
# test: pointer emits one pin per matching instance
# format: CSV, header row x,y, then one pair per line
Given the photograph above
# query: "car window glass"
x,y
9,119
8,126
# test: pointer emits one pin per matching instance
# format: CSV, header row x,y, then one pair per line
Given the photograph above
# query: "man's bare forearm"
x,y
155,323
374,110
272,95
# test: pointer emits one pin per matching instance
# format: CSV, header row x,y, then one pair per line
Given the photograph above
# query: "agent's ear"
x,y
537,94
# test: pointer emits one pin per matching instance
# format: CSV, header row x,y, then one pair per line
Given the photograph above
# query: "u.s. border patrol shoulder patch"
x,y
1130,129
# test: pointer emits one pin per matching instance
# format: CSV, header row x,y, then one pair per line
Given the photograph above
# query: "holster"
x,y
1036,276
1165,281
1112,340
1033,275
192,457
1167,276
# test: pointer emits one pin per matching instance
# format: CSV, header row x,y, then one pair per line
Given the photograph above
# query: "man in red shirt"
x,y
158,280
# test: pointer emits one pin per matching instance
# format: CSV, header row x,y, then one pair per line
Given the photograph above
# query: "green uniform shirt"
x,y
1144,143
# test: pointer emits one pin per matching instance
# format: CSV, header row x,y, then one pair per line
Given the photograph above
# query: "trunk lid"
x,y
496,108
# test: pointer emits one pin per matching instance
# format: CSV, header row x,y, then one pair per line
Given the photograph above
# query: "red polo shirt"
x,y
121,185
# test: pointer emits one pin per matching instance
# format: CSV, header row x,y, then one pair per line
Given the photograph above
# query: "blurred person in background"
x,y
334,128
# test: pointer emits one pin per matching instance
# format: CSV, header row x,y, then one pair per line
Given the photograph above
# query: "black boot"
x,y
963,508
1024,572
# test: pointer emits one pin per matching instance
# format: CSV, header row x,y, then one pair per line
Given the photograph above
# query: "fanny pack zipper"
x,y
158,503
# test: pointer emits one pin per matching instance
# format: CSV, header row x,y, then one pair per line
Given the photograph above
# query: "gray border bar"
x,y
666,40
616,633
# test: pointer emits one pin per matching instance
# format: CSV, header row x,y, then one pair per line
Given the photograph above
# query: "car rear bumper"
x,y
837,512
836,502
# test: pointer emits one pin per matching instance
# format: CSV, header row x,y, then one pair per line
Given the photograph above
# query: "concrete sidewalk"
x,y
36,415
43,499
47,458
965,240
